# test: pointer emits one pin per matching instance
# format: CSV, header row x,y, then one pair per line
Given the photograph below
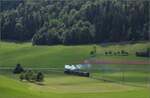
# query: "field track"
x,y
126,62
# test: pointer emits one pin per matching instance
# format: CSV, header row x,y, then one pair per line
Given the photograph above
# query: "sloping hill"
x,y
10,88
57,56
68,87
58,85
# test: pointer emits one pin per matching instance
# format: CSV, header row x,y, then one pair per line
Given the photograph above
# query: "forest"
x,y
72,22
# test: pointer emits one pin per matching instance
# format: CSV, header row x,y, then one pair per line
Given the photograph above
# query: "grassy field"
x,y
57,56
61,86
106,80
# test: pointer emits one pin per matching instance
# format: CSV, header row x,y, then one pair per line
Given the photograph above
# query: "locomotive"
x,y
75,70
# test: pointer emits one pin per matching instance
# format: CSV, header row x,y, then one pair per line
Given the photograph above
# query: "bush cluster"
x,y
32,76
143,53
118,53
28,75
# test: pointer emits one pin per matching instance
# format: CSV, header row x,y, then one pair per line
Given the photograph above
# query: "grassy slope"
x,y
57,56
66,86
44,56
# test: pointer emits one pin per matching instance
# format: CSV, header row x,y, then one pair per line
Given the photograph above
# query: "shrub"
x,y
106,53
18,69
22,76
92,54
110,52
31,76
124,53
28,75
144,53
39,77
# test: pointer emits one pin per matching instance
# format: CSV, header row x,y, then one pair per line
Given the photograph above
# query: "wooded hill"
x,y
74,21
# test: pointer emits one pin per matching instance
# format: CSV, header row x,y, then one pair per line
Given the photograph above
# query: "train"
x,y
75,70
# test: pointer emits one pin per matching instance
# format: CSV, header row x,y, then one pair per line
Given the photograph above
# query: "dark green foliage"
x,y
144,53
117,53
81,32
92,53
18,69
110,52
124,53
31,76
74,21
9,4
106,53
39,77
22,76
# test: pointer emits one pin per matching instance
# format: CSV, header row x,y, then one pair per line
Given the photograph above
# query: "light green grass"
x,y
69,87
57,56
58,85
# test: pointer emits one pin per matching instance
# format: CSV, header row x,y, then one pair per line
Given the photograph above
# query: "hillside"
x,y
68,87
105,81
59,55
74,49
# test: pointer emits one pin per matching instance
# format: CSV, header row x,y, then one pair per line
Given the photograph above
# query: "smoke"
x,y
77,67
70,67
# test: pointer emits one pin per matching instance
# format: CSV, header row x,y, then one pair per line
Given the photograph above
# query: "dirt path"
x,y
97,61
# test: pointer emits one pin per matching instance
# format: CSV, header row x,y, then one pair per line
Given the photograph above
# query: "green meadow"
x,y
105,81
58,55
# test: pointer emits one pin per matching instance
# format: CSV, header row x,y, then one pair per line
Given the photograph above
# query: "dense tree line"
x,y
74,21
